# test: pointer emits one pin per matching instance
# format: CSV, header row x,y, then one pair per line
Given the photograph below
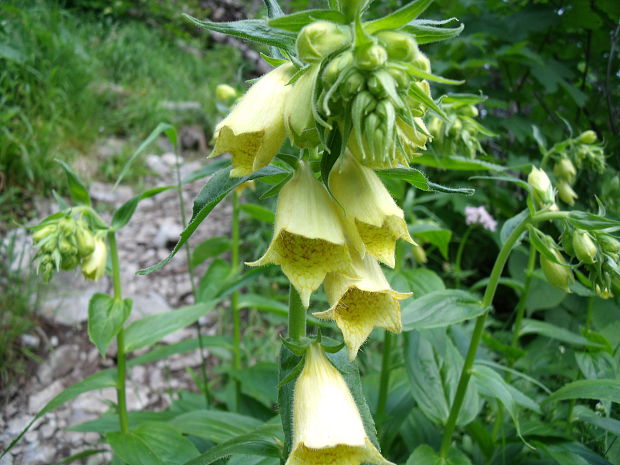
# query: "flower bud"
x,y
422,62
319,39
399,46
353,84
70,261
375,87
93,266
225,92
608,243
337,66
400,77
565,170
85,241
298,117
419,254
566,193
557,274
370,57
584,247
543,190
43,232
66,247
470,110
587,137
67,226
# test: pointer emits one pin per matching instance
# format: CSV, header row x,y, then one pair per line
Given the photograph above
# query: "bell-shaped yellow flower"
x,y
359,305
93,266
254,131
327,426
309,240
365,199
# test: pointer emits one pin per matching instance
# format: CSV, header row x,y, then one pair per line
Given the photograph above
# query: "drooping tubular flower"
x,y
327,426
309,240
254,130
93,266
379,221
359,305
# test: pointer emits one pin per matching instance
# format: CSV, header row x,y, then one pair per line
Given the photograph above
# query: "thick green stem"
x,y
296,316
459,256
190,271
234,300
121,396
520,311
384,381
476,336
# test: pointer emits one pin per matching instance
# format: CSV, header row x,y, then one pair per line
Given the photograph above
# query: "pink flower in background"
x,y
479,215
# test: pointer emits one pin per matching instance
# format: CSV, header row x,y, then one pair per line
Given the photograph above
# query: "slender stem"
x,y
489,293
121,396
190,272
296,316
384,381
523,298
459,255
234,300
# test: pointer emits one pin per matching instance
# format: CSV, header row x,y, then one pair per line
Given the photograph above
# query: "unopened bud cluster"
x,y
66,243
369,85
460,134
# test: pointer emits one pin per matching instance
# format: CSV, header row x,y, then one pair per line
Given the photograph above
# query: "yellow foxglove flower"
x,y
365,200
327,425
93,266
254,131
309,239
298,117
359,305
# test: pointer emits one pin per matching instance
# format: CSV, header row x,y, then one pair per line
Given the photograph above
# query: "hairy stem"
x,y
296,316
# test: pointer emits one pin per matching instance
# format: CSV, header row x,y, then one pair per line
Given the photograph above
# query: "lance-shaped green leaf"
x,y
415,71
418,94
398,18
552,331
214,425
77,190
106,317
296,21
427,31
440,309
211,194
597,389
457,162
256,30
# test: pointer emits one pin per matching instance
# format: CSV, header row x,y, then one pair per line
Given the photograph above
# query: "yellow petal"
x,y
365,199
359,305
309,240
254,131
93,266
327,426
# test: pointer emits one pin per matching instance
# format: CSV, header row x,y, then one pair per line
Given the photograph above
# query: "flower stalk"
x,y
121,396
234,300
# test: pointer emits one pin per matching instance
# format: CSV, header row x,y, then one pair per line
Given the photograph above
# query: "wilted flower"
x,y
359,305
309,240
254,131
479,215
379,221
327,426
93,266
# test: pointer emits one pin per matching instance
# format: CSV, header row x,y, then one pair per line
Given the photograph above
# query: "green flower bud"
x,y
319,39
375,87
456,128
422,62
66,247
399,46
565,170
419,254
557,274
47,270
470,110
298,116
67,226
587,137
85,241
401,78
225,92
435,127
70,261
353,84
543,190
584,247
609,243
566,193
370,57
43,232
336,67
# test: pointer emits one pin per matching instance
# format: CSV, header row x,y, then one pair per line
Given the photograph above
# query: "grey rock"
x,y
168,234
157,165
193,138
60,362
110,147
38,400
170,159
17,424
30,340
7,459
104,192
38,454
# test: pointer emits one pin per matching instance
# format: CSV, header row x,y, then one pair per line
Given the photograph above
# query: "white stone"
x,y
60,362
38,400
